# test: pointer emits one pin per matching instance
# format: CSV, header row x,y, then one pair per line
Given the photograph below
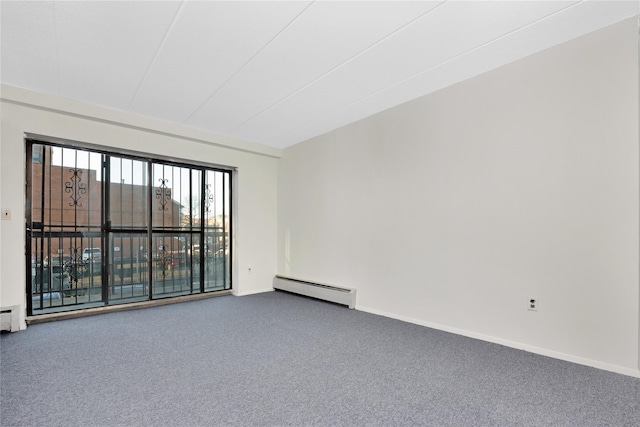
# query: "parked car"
x,y
92,255
57,260
50,281
57,264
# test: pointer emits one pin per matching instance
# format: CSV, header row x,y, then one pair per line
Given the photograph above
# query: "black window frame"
x,y
106,230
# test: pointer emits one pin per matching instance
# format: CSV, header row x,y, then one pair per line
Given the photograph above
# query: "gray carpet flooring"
x,y
278,359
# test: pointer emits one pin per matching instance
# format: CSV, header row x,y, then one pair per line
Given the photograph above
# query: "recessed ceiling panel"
x,y
275,72
208,44
105,48
569,23
325,36
560,27
451,30
28,47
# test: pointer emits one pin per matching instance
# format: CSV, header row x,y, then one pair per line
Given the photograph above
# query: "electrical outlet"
x,y
533,304
6,214
249,270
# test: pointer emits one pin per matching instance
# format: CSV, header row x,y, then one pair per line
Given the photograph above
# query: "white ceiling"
x,y
275,72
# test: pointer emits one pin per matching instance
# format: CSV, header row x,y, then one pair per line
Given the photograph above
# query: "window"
x,y
106,228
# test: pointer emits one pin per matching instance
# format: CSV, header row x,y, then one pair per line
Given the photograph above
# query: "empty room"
x,y
266,213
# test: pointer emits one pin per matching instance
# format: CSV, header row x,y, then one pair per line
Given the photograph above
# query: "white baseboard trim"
x,y
508,343
255,291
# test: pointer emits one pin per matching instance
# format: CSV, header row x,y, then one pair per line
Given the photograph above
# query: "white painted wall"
x,y
453,210
255,185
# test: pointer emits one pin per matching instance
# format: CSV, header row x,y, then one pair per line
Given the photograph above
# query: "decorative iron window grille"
x,y
208,198
75,187
94,237
163,194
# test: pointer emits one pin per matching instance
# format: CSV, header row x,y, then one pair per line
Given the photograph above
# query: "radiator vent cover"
x,y
337,294
9,319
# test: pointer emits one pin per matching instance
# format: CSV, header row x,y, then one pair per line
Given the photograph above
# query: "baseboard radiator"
x,y
339,295
9,319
